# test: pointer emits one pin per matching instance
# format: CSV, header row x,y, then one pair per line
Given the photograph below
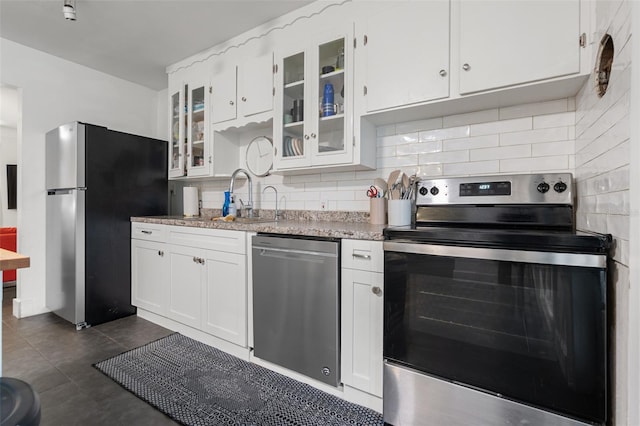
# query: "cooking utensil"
x,y
381,184
372,192
393,178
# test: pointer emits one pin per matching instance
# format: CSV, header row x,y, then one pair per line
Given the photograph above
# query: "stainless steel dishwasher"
x,y
296,310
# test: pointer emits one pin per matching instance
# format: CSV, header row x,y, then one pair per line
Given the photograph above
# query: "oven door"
x,y
524,326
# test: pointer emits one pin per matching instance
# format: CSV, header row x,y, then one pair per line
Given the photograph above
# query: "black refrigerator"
x,y
96,179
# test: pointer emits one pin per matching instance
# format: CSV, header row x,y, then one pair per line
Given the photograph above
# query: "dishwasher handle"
x,y
291,253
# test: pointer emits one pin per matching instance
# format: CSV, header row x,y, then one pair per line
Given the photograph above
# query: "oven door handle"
x,y
524,256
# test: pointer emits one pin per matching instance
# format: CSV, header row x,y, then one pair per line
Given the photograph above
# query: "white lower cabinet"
x,y
224,297
186,281
149,276
198,277
362,315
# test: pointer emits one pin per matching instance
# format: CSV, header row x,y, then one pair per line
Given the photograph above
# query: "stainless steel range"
x,y
495,308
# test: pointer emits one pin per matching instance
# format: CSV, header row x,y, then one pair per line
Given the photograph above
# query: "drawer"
x,y
209,239
148,231
363,254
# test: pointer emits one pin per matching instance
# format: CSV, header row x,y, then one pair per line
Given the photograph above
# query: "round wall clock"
x,y
259,156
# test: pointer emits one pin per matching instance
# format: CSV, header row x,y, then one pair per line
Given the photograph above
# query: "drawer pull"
x,y
146,232
160,253
362,256
376,290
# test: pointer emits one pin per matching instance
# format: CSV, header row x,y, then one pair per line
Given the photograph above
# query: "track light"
x,y
69,10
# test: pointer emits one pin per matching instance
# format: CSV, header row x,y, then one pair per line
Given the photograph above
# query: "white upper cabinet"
x,y
402,53
177,126
313,116
240,92
503,43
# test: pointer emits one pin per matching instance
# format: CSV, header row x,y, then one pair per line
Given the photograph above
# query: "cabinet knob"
x,y
195,259
160,253
443,73
230,102
313,135
376,290
244,99
306,137
466,67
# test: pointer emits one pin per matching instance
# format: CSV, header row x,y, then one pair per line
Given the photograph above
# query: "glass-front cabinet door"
x,y
313,120
177,166
198,155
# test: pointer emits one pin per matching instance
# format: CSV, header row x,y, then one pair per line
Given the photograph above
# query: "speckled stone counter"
x,y
332,229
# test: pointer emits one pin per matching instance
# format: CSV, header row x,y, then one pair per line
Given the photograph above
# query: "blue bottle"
x,y
227,201
327,101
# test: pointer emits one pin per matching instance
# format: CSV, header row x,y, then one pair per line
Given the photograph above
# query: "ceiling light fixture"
x,y
69,10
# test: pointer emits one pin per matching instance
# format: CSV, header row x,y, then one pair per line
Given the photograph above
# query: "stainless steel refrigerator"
x,y
96,179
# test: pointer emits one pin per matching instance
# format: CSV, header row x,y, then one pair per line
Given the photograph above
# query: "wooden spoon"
x,y
393,177
380,183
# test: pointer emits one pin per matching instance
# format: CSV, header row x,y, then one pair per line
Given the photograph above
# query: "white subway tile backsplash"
x,y
538,108
444,157
554,120
516,151
503,126
471,143
535,136
449,133
472,168
553,148
398,139
471,118
538,164
388,130
304,178
386,151
428,170
418,126
404,161
338,176
419,148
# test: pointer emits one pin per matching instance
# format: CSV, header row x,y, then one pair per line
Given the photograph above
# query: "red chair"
x,y
8,242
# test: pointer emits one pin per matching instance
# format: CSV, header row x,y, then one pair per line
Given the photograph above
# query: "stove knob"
x,y
434,191
423,191
543,187
560,187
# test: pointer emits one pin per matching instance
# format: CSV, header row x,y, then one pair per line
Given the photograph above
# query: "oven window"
x,y
529,332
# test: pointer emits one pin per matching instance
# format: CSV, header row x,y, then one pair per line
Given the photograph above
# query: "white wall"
x,y
55,91
8,155
603,183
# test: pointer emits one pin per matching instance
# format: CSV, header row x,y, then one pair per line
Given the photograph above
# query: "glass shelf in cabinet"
x,y
294,84
332,74
294,124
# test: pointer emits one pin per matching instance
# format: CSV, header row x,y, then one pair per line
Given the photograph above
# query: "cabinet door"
x,y
185,289
291,146
223,95
403,54
362,321
504,43
176,132
149,276
198,139
224,301
331,110
255,85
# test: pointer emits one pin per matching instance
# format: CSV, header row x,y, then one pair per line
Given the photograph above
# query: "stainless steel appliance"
x,y
495,308
296,307
96,179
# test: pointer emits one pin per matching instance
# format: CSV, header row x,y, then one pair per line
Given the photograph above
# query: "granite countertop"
x,y
315,228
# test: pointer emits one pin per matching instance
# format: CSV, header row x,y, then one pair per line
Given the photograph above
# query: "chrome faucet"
x,y
249,205
277,214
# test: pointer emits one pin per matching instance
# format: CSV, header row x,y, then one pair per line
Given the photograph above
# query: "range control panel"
x,y
551,188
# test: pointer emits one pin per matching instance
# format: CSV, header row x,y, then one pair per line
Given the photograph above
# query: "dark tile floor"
x,y
48,353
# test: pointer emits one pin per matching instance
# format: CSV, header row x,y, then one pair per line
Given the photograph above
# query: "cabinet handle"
x,y
147,232
466,67
376,290
313,135
244,99
195,259
364,90
160,253
366,39
230,102
201,261
362,256
306,137
210,161
443,73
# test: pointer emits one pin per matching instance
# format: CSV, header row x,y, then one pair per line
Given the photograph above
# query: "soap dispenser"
x,y
233,210
227,201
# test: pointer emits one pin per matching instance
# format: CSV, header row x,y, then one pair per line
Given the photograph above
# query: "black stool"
x,y
20,403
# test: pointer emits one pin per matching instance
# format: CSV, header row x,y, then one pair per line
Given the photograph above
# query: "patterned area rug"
x,y
196,384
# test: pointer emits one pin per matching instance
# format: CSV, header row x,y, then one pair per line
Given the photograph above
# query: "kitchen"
x,y
604,195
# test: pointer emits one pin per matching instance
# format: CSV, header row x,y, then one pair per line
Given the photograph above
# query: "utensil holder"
x,y
377,211
399,212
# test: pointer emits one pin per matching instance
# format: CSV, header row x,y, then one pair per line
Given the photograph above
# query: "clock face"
x,y
260,156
